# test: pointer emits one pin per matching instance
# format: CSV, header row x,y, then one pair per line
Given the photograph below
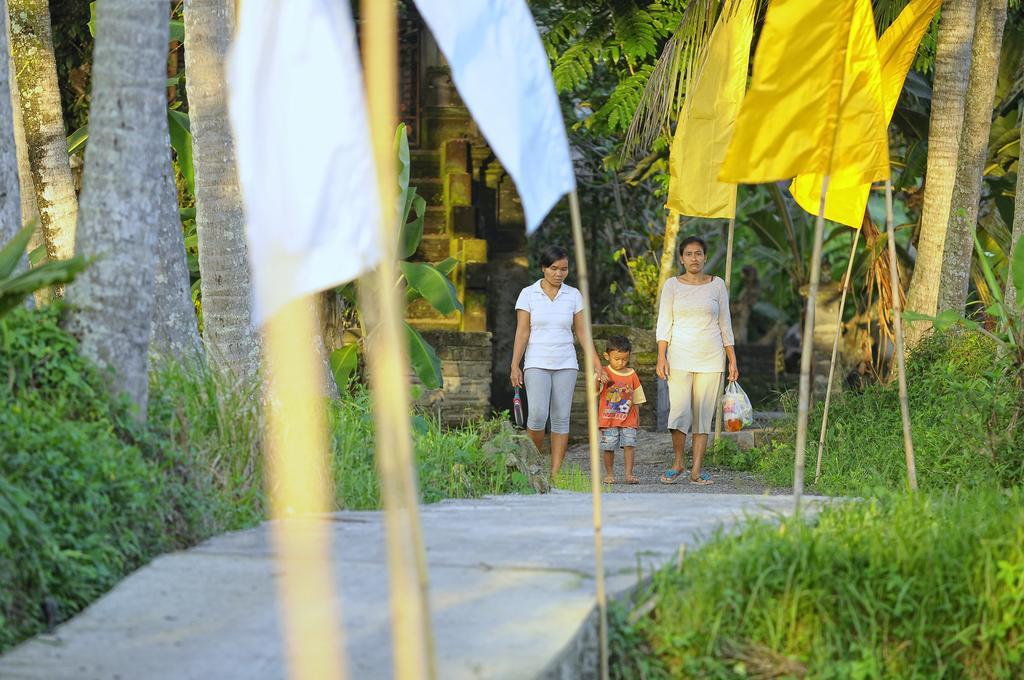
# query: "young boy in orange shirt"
x,y
618,411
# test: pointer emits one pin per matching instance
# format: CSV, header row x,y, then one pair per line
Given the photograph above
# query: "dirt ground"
x,y
654,456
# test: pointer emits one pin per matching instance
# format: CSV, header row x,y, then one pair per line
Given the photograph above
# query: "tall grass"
x,y
895,587
217,424
966,408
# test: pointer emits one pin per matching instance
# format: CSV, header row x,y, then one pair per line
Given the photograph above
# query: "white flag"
x,y
501,71
303,148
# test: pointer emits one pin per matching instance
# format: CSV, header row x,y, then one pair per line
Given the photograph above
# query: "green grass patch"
x,y
572,477
966,409
87,494
894,587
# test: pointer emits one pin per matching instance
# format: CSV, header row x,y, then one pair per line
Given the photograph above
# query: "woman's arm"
x,y
725,325
734,371
580,329
519,346
663,330
662,368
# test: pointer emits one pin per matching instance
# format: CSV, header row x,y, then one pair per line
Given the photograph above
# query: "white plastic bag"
x,y
737,412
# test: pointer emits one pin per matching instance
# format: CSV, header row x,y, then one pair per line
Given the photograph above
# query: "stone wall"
x,y
466,367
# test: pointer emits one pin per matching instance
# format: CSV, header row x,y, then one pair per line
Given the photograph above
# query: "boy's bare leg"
x,y
627,458
700,445
559,445
609,467
678,447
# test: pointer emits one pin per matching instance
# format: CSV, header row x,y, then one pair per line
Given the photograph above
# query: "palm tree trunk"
x,y
669,257
32,47
1015,236
963,217
26,189
949,91
125,163
175,332
10,191
220,221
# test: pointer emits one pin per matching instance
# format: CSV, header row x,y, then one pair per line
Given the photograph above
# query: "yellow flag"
x,y
896,51
815,103
705,127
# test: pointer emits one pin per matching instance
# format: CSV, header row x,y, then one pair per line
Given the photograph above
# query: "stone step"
x,y
430,188
435,220
425,162
433,248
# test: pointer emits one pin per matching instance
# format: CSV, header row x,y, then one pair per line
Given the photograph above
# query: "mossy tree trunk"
x,y
10,191
123,188
46,137
981,94
949,92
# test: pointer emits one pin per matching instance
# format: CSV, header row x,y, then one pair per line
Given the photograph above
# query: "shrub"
x,y
897,587
87,494
966,406
84,496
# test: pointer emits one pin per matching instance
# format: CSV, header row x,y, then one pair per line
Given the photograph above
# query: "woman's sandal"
x,y
671,476
701,481
632,479
609,479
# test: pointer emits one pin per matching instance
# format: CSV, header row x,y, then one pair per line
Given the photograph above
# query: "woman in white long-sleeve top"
x,y
695,337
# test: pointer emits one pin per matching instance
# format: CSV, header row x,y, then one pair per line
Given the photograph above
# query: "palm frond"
x,y
886,12
680,58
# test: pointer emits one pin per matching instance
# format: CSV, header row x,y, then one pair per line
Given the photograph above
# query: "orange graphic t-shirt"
x,y
619,398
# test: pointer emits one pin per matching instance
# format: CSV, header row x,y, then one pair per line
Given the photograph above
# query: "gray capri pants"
x,y
549,392
691,400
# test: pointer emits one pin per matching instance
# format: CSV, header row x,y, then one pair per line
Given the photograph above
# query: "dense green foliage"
x,y
894,586
966,407
87,493
897,587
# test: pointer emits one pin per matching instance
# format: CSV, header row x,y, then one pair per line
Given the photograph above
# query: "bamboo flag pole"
x,y
389,367
299,487
728,291
807,351
590,358
835,352
897,313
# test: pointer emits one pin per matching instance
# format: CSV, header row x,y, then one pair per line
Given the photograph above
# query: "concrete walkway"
x,y
511,587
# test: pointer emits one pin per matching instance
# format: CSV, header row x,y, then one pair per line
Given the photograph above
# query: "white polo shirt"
x,y
551,339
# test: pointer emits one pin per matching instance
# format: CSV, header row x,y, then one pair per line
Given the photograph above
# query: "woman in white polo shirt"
x,y
547,314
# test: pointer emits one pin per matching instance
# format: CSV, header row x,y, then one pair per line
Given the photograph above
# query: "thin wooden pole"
x,y
590,358
897,313
807,351
299,487
728,290
835,353
411,632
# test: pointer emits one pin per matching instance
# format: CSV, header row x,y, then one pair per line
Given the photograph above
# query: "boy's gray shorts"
x,y
613,438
